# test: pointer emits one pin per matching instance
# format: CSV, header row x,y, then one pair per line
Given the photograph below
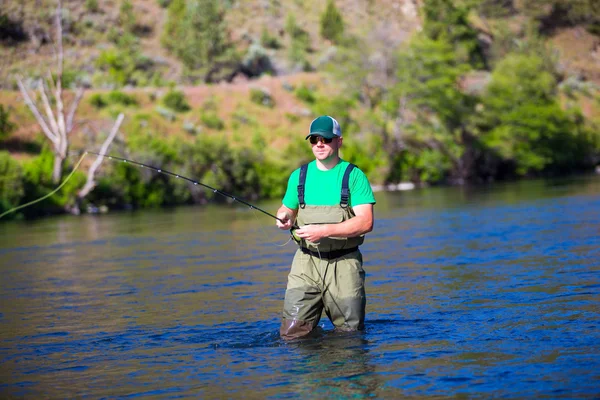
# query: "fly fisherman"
x,y
332,203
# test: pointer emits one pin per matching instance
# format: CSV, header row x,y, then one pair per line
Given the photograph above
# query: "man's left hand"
x,y
313,233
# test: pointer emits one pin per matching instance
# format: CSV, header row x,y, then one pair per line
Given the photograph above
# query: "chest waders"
x,y
325,276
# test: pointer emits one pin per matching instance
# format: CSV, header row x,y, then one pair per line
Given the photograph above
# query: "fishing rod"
x,y
159,170
164,171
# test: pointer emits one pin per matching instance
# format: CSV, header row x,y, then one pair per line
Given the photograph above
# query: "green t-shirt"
x,y
323,188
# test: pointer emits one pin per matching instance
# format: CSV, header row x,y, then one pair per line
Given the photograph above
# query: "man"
x,y
331,202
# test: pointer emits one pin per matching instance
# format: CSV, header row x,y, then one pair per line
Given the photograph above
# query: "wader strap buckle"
x,y
345,196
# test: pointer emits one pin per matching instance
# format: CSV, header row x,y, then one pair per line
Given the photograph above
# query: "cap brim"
x,y
326,135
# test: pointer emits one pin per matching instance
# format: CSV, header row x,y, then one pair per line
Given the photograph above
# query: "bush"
x,y
91,5
11,182
262,97
269,41
332,24
99,100
176,101
118,97
306,94
211,120
38,183
6,126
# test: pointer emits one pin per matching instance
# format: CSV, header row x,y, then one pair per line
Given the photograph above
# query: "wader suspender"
x,y
345,195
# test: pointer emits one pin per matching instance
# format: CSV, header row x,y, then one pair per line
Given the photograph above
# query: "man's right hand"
x,y
285,221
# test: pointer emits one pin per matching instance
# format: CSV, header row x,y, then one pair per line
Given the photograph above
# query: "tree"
x,y
449,21
435,114
199,38
57,123
524,123
332,24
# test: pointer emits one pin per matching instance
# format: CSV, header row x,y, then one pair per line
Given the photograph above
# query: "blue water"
x,y
481,293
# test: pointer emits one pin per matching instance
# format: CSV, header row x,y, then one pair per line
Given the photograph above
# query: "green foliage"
x,y
175,15
300,42
368,153
262,97
11,182
125,64
91,6
332,23
6,126
127,19
426,165
100,100
556,13
38,183
448,21
69,77
138,188
269,41
213,162
196,33
176,101
306,94
211,120
428,76
524,122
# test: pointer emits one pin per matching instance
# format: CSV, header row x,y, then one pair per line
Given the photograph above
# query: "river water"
x,y
473,293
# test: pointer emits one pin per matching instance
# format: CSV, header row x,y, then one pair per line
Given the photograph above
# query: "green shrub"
x,y
125,64
11,182
38,183
176,101
306,94
262,97
269,41
332,24
91,5
211,120
99,100
6,126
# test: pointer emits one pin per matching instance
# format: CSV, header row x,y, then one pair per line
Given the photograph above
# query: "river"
x,y
480,292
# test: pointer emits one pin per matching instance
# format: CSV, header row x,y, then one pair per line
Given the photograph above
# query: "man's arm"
x,y
286,216
359,225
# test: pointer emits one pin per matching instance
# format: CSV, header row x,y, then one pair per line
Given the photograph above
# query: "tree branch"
x,y
90,184
49,112
36,113
73,108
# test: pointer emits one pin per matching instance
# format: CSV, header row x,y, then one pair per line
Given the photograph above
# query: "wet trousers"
x,y
316,285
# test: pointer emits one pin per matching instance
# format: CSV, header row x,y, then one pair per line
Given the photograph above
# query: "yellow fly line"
x,y
49,194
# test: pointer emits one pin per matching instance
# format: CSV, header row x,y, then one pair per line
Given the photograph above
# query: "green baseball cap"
x,y
325,126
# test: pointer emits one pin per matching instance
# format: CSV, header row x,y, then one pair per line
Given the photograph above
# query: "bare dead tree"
x,y
56,123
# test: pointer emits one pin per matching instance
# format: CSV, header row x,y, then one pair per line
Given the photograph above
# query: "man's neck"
x,y
328,163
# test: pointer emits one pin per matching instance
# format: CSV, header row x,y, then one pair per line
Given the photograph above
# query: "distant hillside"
x,y
90,26
93,26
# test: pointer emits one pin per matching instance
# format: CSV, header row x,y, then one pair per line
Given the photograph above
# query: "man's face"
x,y
322,150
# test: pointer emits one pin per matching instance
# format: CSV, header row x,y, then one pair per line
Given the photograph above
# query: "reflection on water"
x,y
472,292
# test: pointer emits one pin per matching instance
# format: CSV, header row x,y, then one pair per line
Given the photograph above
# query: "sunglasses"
x,y
317,139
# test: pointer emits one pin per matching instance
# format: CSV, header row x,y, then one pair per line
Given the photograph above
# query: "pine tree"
x,y
332,24
175,15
